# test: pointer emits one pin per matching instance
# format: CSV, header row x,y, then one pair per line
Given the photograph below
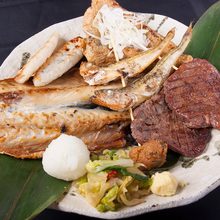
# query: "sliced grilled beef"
x,y
154,120
193,93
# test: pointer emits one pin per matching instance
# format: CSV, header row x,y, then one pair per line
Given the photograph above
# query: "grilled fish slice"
x,y
60,62
37,60
128,68
26,134
31,142
74,121
143,88
26,142
69,90
110,136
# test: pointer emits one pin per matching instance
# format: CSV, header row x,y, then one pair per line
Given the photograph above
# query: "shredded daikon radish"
x,y
118,29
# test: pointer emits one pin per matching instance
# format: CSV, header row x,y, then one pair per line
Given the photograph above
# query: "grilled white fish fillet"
x,y
75,121
145,87
25,134
69,90
60,62
26,142
37,60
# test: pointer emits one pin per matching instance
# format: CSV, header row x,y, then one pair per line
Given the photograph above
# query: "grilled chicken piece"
x,y
127,68
37,60
60,62
152,154
69,90
145,87
41,127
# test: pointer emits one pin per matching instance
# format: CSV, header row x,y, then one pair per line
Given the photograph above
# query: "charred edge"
x,y
11,97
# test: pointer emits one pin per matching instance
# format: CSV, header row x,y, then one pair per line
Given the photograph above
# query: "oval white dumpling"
x,y
65,158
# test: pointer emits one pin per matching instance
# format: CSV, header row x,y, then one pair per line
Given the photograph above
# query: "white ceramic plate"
x,y
202,177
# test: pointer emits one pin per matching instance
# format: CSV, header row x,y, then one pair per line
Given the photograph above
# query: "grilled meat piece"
x,y
154,120
193,93
152,154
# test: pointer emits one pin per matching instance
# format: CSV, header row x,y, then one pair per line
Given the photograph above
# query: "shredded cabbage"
x,y
114,154
95,187
99,165
107,203
129,193
113,182
118,29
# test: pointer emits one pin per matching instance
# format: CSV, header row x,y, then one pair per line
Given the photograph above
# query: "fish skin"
x,y
128,68
145,87
69,90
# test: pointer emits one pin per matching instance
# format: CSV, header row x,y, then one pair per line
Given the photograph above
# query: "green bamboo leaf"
x,y
25,189
205,41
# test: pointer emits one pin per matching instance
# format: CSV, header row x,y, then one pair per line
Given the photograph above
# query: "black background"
x,y
20,19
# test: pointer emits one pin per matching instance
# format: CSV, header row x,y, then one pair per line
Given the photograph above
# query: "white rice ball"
x,y
65,158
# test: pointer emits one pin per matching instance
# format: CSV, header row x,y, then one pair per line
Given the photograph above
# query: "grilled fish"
x,y
26,142
60,62
143,88
69,90
128,68
110,136
26,134
37,60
